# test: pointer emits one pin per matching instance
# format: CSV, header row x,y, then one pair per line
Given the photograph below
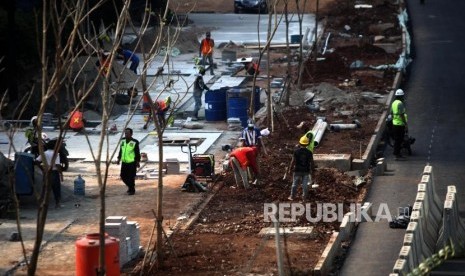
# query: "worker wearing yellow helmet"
x,y
303,165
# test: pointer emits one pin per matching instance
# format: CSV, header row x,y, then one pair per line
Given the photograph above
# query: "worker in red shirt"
x,y
241,159
76,121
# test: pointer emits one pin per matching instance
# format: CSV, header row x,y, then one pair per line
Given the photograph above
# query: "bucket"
x,y
296,39
87,255
215,105
24,173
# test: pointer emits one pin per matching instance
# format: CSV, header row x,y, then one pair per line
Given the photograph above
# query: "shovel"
x,y
287,168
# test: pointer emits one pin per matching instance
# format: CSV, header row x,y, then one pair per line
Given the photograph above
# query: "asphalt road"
x,y
435,105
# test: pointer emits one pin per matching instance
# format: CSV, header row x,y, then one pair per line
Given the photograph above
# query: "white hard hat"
x,y
399,92
34,118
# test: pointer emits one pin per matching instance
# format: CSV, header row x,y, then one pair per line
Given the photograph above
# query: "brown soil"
x,y
224,239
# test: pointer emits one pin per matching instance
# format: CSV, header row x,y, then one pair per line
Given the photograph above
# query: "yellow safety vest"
x,y
396,116
128,154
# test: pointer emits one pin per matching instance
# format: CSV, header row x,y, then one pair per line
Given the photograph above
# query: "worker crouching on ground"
x,y
250,66
241,159
161,107
76,121
304,168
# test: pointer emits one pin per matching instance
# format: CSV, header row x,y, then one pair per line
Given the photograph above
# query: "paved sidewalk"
x,y
376,246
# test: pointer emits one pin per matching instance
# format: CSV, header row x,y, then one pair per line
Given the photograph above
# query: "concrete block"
x,y
401,267
359,164
339,161
134,234
379,168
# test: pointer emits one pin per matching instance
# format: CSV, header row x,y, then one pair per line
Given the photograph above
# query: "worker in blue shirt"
x,y
127,55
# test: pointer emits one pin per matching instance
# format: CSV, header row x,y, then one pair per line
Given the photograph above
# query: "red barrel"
x,y
87,255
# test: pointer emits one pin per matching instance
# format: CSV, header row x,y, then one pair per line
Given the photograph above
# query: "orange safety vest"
x,y
161,105
76,120
207,46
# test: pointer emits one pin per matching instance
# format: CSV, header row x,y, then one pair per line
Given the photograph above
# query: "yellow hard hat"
x,y
304,140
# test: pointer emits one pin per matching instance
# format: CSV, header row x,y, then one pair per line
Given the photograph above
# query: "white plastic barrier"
x,y
453,229
423,230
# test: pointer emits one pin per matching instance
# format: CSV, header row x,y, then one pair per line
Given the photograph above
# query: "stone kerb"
x,y
325,262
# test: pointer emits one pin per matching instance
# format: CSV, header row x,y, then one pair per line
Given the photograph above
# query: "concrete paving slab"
x,y
175,151
246,32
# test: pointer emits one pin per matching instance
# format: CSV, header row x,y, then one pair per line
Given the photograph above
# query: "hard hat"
x,y
304,140
207,33
250,123
33,120
399,92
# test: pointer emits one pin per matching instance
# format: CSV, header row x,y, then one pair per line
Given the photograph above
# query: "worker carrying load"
x,y
241,159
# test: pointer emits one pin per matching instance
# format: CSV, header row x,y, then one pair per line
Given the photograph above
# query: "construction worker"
x,y
161,107
250,66
303,164
206,51
129,155
104,63
199,87
251,136
76,121
126,56
241,159
399,122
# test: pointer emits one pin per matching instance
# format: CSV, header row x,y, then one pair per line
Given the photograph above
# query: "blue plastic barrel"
x,y
24,173
295,39
237,108
215,105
